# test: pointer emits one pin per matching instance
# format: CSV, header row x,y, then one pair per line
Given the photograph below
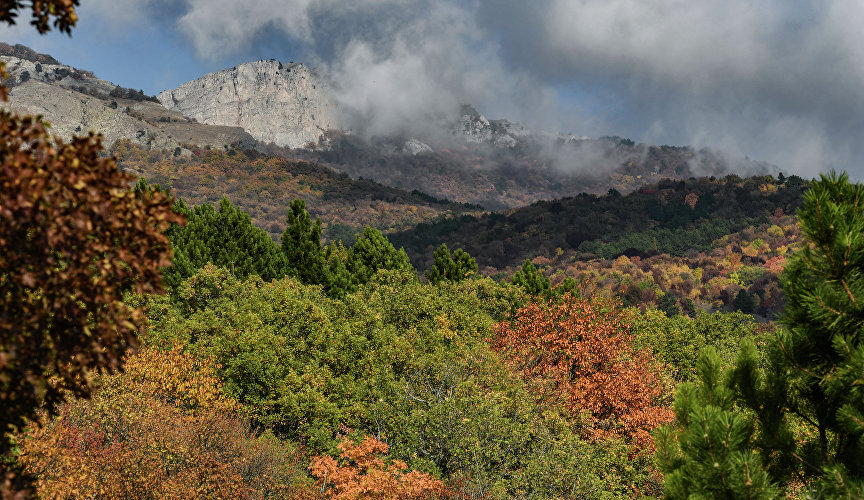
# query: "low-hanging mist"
x,y
779,81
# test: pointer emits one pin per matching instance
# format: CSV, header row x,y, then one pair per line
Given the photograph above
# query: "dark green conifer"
x,y
815,371
373,251
532,280
710,453
806,398
668,305
301,244
225,238
744,302
340,281
456,267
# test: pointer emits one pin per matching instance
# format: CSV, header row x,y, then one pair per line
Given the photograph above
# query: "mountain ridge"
x,y
258,105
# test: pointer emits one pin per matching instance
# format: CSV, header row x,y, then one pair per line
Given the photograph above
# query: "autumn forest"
x,y
249,323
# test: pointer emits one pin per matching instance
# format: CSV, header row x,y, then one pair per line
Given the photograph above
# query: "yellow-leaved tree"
x,y
74,238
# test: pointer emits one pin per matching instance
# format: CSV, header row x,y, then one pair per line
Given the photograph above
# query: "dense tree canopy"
x,y
805,399
106,446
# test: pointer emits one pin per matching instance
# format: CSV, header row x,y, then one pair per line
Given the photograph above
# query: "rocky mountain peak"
x,y
284,103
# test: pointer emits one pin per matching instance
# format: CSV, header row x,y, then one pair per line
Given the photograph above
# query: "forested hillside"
x,y
671,217
739,271
264,187
154,346
302,369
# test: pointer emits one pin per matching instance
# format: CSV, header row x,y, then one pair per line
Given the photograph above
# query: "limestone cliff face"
x,y
287,104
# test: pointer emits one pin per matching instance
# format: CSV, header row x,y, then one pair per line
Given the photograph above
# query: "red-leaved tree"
x,y
365,474
579,351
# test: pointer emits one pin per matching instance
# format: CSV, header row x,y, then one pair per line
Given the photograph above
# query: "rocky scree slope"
x,y
74,102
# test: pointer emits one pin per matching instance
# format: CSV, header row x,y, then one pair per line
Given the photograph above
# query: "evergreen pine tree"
x,y
456,267
301,244
340,281
226,238
668,305
806,398
710,455
744,302
373,251
815,368
532,280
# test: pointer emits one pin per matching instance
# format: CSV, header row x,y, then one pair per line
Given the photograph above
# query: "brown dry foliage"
x,y
579,351
364,474
75,239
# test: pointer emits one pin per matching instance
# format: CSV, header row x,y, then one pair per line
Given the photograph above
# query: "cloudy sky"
x,y
775,80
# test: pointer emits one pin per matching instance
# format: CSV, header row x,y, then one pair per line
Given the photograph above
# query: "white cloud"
x,y
781,80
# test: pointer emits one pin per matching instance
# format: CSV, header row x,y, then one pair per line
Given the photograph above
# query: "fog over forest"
x,y
774,80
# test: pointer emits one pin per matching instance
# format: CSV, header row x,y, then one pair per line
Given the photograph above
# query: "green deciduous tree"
x,y
456,267
677,341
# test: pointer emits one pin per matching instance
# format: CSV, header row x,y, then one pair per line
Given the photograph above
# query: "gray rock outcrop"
x,y
286,104
74,103
72,113
414,147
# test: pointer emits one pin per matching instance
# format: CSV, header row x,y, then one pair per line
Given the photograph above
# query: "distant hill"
x,y
75,102
739,271
264,187
532,169
288,109
670,217
459,154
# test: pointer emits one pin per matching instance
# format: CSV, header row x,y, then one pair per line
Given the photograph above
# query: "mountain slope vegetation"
x,y
264,187
671,217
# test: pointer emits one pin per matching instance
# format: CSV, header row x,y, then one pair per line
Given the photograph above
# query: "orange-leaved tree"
x,y
365,474
579,351
161,429
73,240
